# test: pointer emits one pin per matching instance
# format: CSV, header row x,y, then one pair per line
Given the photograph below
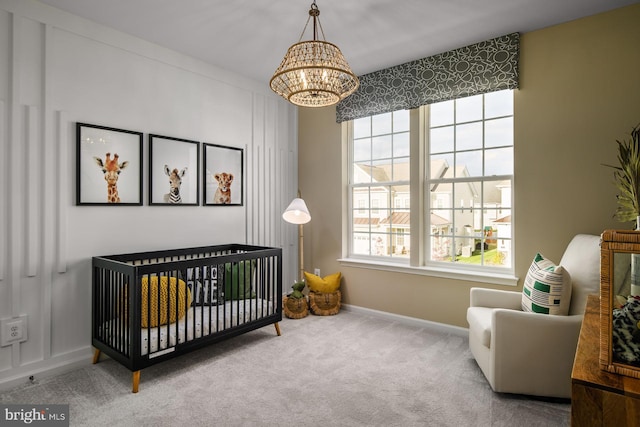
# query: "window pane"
x,y
401,121
499,192
468,163
362,127
464,195
498,104
361,243
441,244
360,202
361,149
400,197
401,169
441,113
361,173
441,203
381,147
401,144
381,124
441,140
381,171
469,109
441,166
498,132
497,206
498,161
375,204
362,206
469,136
400,242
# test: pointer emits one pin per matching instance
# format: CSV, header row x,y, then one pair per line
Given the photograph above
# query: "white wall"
x,y
57,69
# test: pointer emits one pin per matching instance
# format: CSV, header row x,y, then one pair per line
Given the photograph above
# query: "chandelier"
x,y
314,73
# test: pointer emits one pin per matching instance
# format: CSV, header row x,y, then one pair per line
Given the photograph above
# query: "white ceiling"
x,y
250,37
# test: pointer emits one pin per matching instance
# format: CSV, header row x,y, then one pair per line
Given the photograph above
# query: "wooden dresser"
x,y
598,397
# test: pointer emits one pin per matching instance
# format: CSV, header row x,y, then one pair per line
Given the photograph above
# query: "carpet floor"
x,y
352,369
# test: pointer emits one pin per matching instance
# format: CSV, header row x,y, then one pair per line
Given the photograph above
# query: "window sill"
x,y
446,273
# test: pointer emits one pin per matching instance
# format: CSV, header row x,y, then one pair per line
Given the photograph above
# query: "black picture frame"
x,y
223,165
112,155
174,171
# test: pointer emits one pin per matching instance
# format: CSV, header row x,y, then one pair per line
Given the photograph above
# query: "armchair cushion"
x,y
547,288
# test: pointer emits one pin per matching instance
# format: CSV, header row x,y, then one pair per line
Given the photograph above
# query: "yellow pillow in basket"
x,y
327,285
167,290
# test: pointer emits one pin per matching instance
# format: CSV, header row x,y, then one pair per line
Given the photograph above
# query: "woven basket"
x,y
325,304
295,308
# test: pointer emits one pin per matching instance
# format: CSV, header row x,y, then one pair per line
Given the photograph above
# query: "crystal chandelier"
x,y
314,73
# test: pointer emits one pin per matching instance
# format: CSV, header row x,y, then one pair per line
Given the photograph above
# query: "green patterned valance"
x,y
479,68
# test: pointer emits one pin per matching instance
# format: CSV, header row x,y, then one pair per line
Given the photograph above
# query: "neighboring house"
x,y
381,212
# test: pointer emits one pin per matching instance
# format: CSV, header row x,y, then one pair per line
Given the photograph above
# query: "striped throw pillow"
x,y
547,288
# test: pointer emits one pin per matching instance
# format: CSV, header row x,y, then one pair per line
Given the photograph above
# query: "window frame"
x,y
418,261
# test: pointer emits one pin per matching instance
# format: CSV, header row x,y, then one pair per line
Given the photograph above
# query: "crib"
x,y
149,307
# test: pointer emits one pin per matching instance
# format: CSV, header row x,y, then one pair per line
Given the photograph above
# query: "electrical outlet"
x,y
316,271
13,330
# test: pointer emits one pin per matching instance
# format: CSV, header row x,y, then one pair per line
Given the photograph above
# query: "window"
x,y
467,176
379,180
470,177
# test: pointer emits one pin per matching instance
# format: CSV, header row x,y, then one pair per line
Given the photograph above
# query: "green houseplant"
x,y
627,178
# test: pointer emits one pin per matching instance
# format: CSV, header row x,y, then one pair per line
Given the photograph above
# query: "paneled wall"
x,y
57,69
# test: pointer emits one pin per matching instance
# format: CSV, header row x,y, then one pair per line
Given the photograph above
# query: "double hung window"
x,y
466,173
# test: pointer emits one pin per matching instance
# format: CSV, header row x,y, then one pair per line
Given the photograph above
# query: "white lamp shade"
x,y
297,212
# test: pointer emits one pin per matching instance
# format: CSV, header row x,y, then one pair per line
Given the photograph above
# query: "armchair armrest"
x,y
492,298
547,345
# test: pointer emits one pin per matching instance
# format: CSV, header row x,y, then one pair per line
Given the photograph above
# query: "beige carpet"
x,y
352,369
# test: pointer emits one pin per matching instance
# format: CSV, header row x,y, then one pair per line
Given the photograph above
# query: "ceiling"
x,y
250,37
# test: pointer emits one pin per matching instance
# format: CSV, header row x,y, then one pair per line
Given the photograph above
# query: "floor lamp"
x,y
297,213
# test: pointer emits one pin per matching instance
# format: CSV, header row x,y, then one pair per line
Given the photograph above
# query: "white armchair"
x,y
530,353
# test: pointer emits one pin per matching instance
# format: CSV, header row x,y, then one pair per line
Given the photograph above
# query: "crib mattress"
x,y
198,322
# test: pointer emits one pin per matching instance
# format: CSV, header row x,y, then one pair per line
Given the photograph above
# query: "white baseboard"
x,y
46,368
413,321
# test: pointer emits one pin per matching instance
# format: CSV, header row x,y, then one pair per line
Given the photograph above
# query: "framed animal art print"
x,y
108,166
174,170
223,175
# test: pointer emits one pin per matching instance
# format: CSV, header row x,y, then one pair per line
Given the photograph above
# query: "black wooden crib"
x,y
153,306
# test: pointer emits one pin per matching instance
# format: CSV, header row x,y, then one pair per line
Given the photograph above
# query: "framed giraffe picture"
x,y
223,178
109,166
174,171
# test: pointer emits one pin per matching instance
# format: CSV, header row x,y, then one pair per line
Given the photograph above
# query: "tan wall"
x,y
579,92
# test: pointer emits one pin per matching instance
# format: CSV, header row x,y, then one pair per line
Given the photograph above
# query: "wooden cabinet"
x,y
598,397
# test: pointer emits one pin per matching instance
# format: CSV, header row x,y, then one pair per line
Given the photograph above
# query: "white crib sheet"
x,y
198,322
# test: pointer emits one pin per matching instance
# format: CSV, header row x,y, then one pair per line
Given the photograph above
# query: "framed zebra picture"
x,y
223,175
174,170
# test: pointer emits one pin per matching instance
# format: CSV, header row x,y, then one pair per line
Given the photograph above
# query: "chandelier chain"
x,y
304,29
315,13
